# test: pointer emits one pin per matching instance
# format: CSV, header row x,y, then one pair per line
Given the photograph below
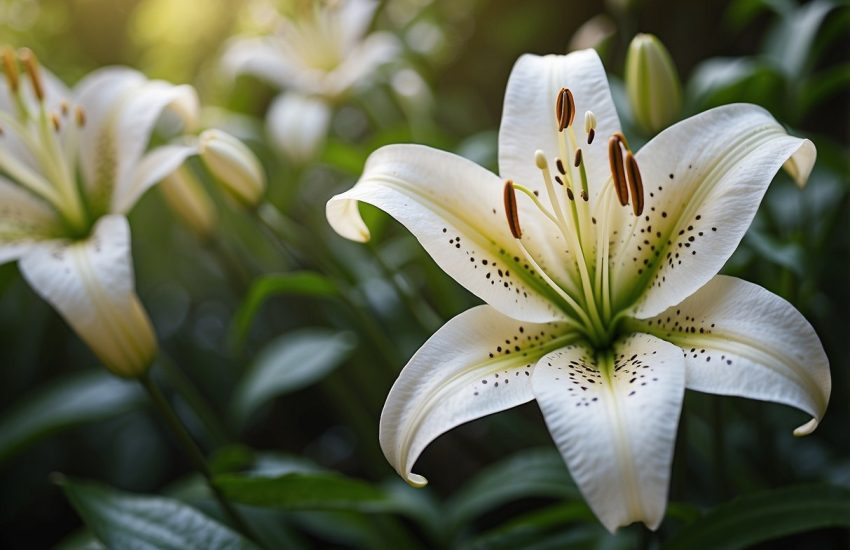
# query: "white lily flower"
x,y
72,163
317,56
599,270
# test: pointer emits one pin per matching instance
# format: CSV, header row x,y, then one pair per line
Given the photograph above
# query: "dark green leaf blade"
x,y
535,473
304,491
73,400
760,517
122,520
302,283
289,363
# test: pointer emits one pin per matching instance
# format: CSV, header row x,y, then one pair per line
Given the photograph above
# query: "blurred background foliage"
x,y
278,353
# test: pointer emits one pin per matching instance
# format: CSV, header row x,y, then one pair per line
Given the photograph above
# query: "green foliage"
x,y
300,491
765,516
122,520
71,401
289,363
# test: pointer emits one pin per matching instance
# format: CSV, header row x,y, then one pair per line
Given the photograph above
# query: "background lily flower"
x,y
317,55
68,231
599,269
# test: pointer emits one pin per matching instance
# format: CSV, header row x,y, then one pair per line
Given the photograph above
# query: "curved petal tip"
x,y
415,480
806,428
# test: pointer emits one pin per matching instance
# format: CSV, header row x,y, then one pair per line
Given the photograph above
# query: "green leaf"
x,y
536,473
764,516
538,527
722,80
123,520
301,283
289,363
790,43
304,491
345,157
73,400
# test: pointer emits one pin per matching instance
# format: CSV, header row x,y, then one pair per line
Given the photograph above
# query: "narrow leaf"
x,y
289,363
304,491
764,516
301,283
536,473
73,400
123,520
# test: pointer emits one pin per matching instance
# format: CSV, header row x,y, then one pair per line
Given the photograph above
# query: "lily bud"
x,y
187,198
652,83
234,165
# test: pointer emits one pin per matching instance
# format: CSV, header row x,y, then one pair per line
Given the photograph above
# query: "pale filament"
x,y
40,132
588,236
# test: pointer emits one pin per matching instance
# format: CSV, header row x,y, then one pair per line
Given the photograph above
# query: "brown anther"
x,y
10,67
511,209
584,196
560,166
57,123
31,65
590,135
80,115
559,180
570,194
635,183
577,162
565,108
615,160
622,139
63,107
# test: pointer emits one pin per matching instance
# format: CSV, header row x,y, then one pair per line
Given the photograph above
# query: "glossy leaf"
x,y
123,520
535,473
289,363
300,283
761,517
546,527
303,491
73,400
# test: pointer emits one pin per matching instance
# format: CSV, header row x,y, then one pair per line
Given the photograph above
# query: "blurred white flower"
x,y
72,164
317,55
599,270
234,166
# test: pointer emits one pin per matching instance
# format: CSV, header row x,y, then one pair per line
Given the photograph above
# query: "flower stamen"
x,y
635,183
590,126
615,160
30,62
565,109
511,210
10,68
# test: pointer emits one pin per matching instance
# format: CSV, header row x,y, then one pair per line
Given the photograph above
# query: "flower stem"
x,y
194,454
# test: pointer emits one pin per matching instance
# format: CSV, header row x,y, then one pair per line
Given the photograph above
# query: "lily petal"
x,y
122,107
362,60
262,57
99,94
135,126
24,220
477,364
528,118
704,179
739,339
455,209
91,284
298,125
150,170
615,422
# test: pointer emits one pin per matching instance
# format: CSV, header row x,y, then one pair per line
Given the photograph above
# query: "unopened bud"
x,y
187,198
234,165
652,83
